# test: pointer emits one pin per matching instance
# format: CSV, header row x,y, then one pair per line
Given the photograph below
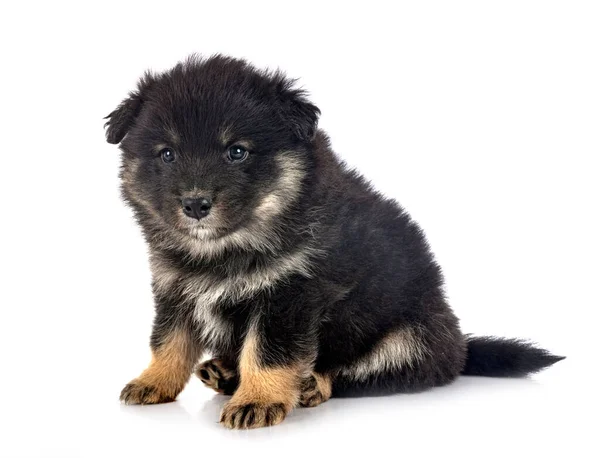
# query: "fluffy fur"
x,y
302,281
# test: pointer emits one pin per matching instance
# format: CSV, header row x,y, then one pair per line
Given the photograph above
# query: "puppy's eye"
x,y
237,153
167,155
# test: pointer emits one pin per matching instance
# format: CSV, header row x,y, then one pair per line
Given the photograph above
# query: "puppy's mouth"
x,y
207,233
207,228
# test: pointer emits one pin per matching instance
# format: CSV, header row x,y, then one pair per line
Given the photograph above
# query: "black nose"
x,y
196,208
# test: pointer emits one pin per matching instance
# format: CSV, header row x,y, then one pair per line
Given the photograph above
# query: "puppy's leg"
x,y
219,374
315,390
267,392
173,358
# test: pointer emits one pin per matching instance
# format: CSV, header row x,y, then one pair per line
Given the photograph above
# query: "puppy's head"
x,y
213,148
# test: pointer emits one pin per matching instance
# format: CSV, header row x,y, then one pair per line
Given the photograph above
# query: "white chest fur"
x,y
208,293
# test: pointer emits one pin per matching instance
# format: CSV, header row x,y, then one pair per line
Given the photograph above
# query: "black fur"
x,y
361,270
495,357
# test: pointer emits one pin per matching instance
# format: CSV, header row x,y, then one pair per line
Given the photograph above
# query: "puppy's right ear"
x,y
121,119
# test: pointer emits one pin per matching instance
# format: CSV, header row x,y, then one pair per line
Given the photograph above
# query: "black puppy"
x,y
268,252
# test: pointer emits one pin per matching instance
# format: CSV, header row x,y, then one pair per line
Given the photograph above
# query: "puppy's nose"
x,y
196,208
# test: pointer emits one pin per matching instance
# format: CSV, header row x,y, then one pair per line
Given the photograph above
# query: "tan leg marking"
x,y
167,373
315,390
400,348
265,395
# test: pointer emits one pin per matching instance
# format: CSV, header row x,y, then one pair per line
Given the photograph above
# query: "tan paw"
x,y
214,374
137,392
248,416
315,390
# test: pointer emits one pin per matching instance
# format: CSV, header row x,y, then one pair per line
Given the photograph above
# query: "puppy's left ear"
x,y
122,118
297,111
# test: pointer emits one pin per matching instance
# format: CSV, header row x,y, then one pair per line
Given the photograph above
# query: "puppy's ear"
x,y
296,111
121,118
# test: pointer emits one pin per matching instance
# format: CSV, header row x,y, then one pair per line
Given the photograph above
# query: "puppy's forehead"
x,y
201,108
194,122
205,126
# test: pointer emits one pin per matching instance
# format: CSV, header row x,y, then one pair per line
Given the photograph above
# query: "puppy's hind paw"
x,y
315,390
216,375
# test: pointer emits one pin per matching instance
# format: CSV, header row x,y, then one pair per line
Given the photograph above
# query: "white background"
x,y
481,118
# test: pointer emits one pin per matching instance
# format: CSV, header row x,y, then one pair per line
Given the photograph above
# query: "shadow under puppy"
x,y
269,253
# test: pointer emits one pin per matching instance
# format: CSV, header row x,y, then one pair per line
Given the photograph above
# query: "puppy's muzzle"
x,y
196,208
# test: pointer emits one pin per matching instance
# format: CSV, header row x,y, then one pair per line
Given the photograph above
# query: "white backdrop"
x,y
481,118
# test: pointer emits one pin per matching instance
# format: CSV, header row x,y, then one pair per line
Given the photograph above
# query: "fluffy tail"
x,y
496,357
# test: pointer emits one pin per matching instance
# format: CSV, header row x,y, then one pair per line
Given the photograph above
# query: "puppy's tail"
x,y
496,357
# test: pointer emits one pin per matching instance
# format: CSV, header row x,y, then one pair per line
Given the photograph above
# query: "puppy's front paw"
x,y
248,416
137,392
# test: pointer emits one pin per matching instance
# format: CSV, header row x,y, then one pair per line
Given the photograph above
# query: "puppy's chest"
x,y
221,325
220,305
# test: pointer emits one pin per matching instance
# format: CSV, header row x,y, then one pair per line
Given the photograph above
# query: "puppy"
x,y
298,277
